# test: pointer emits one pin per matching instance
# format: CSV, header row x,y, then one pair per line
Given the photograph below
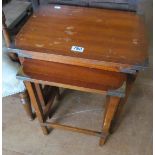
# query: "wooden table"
x,y
87,49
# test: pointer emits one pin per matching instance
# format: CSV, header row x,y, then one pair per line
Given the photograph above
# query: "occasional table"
x,y
86,49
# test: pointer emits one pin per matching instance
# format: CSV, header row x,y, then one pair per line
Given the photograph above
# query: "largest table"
x,y
88,49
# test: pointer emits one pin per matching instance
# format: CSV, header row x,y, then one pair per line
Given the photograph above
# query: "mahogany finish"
x,y
115,48
112,40
111,108
72,75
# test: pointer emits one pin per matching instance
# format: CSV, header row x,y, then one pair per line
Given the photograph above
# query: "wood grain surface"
x,y
107,36
83,77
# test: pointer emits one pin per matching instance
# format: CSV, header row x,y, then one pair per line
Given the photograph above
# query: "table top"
x,y
99,38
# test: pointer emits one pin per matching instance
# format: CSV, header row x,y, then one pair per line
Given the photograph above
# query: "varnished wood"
x,y
44,105
114,40
47,91
130,82
82,77
74,129
50,102
114,45
110,66
27,105
111,107
37,106
40,94
112,101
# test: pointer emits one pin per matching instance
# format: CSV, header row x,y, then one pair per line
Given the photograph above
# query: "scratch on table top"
x,y
34,16
135,41
39,45
99,20
70,27
110,51
123,57
112,39
21,38
32,29
107,56
69,32
76,11
67,39
60,38
56,42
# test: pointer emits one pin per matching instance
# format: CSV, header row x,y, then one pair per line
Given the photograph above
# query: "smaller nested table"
x,y
87,49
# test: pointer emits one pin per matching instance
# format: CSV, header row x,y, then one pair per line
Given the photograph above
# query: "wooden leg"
x,y
36,104
40,94
46,98
130,81
27,105
111,107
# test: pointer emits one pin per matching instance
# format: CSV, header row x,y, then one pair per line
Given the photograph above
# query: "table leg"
x,y
40,94
36,104
26,104
112,103
130,81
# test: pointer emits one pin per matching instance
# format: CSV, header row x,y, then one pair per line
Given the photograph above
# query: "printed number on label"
x,y
77,49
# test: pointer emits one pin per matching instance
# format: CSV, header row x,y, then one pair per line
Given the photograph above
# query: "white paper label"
x,y
77,49
57,7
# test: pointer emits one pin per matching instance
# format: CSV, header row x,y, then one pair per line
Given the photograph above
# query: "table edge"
x,y
103,65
